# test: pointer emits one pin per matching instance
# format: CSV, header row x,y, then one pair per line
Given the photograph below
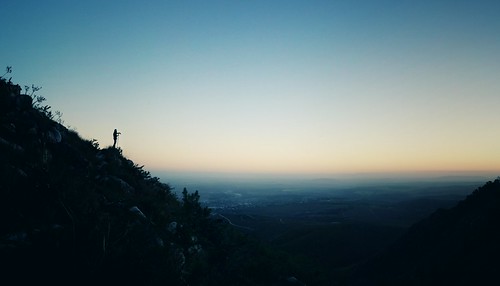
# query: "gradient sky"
x,y
269,86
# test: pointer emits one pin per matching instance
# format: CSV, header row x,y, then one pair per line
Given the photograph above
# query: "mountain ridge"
x,y
456,246
74,213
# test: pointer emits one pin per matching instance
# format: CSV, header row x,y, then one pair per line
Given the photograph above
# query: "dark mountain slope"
x,y
458,246
73,213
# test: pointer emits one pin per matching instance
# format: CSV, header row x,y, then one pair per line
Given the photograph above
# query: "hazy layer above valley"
x,y
225,189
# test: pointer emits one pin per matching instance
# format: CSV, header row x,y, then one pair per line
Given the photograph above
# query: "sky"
x,y
285,87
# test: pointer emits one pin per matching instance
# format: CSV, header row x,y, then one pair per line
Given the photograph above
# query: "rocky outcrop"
x,y
9,93
456,246
72,213
67,206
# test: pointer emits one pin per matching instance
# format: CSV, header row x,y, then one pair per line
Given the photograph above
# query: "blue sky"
x,y
270,86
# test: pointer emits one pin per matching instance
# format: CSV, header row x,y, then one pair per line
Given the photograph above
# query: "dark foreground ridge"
x,y
72,213
457,246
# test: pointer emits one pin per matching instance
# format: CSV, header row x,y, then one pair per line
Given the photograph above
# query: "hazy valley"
x,y
329,225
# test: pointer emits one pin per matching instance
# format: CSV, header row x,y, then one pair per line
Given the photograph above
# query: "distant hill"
x,y
457,246
73,213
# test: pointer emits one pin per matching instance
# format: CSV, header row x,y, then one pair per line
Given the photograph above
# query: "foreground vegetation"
x,y
72,212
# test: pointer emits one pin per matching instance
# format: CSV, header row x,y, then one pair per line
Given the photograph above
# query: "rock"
x,y
15,90
53,136
123,185
138,212
18,236
172,227
9,127
100,156
24,102
56,226
12,146
294,281
101,159
195,249
46,156
8,95
21,173
159,241
179,257
32,131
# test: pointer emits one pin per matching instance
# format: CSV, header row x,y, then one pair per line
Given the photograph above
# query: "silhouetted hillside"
x,y
458,246
73,213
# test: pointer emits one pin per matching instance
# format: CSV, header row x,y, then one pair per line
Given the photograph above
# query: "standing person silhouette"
x,y
115,137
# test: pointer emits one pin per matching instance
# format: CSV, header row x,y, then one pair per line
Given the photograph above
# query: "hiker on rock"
x,y
115,137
